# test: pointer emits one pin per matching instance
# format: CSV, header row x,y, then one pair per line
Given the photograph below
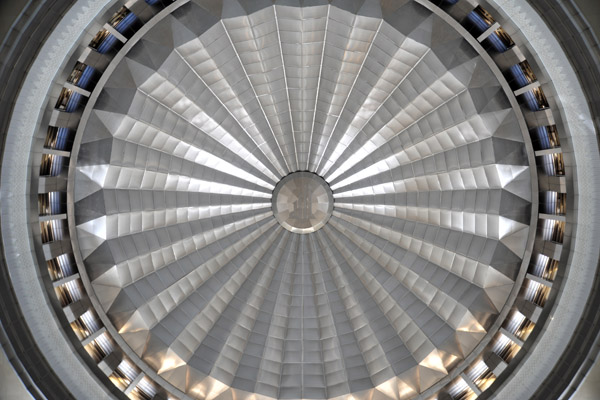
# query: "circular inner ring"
x,y
302,202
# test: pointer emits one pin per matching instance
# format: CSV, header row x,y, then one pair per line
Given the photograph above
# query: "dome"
x,y
190,167
300,200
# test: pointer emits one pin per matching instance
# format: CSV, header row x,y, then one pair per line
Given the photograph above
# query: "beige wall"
x,y
591,11
11,387
9,10
590,388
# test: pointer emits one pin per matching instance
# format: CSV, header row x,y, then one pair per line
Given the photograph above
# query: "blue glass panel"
x,y
57,164
541,135
73,102
519,76
61,139
531,101
477,20
126,23
497,43
86,76
107,44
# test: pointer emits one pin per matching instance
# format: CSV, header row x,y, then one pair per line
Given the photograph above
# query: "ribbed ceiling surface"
x,y
212,108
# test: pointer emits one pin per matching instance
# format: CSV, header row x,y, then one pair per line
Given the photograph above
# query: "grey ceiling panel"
x,y
383,264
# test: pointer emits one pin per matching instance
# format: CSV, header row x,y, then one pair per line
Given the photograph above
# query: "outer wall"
x,y
571,330
43,349
45,328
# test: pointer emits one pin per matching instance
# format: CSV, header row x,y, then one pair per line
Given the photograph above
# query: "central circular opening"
x,y
302,202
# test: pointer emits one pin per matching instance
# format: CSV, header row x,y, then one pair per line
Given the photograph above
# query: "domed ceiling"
x,y
299,199
302,200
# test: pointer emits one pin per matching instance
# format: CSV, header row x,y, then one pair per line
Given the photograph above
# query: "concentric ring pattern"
x,y
217,103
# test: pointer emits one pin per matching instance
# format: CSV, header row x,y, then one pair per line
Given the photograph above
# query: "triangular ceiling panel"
x,y
106,294
482,75
499,294
515,207
100,261
121,77
197,16
509,152
137,340
115,99
428,377
520,186
468,341
85,186
409,19
95,129
517,241
253,6
232,9
510,129
91,234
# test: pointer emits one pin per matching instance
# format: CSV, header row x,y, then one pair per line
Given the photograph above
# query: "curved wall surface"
x,y
257,199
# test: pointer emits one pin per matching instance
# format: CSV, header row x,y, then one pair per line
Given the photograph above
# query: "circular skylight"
x,y
302,202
